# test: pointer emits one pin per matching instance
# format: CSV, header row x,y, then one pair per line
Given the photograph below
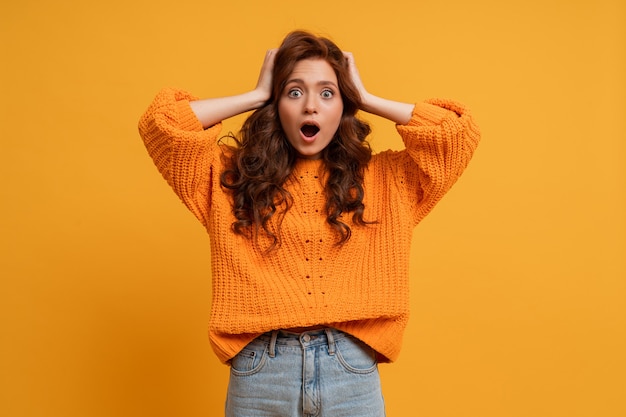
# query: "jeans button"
x,y
306,338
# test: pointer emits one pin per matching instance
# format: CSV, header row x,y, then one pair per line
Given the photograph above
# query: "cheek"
x,y
338,113
284,114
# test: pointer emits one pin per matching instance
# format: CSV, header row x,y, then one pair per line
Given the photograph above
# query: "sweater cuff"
x,y
426,114
186,117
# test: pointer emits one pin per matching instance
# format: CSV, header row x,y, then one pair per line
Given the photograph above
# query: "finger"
x,y
271,54
268,62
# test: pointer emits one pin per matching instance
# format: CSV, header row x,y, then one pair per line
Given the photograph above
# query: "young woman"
x,y
310,232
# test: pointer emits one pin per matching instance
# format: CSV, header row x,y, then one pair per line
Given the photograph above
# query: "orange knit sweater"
x,y
361,287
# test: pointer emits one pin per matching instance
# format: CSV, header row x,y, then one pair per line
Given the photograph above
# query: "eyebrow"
x,y
301,81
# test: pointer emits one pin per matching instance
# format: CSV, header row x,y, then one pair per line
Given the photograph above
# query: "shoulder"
x,y
388,160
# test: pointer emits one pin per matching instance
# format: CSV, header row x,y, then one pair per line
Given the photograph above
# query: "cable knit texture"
x,y
361,287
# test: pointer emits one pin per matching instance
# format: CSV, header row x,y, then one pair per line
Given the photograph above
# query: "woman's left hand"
x,y
395,111
356,77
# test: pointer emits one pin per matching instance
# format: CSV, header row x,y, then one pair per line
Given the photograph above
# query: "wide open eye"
x,y
294,93
327,94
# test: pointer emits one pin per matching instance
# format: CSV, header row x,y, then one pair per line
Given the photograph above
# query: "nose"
x,y
310,105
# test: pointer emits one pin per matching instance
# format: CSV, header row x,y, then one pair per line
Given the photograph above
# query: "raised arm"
x,y
213,110
395,111
440,138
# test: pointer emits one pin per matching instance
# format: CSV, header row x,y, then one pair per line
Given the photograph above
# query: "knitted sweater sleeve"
x,y
182,151
440,140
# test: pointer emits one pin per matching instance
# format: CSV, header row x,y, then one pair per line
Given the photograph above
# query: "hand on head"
x,y
354,74
264,83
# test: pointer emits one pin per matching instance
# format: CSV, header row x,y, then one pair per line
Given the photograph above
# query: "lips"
x,y
309,129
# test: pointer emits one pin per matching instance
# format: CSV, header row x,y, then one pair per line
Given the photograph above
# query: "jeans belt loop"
x,y
331,341
272,347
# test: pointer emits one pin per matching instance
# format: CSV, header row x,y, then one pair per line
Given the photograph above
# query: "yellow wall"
x,y
519,293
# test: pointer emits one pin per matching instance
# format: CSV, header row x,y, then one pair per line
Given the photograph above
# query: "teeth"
x,y
309,130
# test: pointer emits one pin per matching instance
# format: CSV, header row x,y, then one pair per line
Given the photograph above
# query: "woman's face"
x,y
310,107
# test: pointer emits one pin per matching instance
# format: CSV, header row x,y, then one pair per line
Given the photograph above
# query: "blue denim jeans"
x,y
322,373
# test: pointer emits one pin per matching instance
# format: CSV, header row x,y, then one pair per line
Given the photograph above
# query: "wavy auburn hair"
x,y
262,159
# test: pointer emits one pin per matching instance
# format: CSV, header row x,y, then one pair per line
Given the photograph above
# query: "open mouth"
x,y
309,130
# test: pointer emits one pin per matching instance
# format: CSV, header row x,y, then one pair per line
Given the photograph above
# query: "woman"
x,y
310,232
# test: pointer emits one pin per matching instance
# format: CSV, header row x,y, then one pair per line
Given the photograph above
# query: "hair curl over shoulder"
x,y
262,159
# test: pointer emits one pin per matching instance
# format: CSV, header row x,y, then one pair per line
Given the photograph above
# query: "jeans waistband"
x,y
312,338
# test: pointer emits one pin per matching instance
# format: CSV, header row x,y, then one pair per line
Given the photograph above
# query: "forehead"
x,y
313,70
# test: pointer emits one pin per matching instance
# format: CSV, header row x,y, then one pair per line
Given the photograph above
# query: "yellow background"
x,y
518,288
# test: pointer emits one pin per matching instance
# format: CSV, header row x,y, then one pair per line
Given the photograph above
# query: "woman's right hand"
x,y
264,84
213,110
